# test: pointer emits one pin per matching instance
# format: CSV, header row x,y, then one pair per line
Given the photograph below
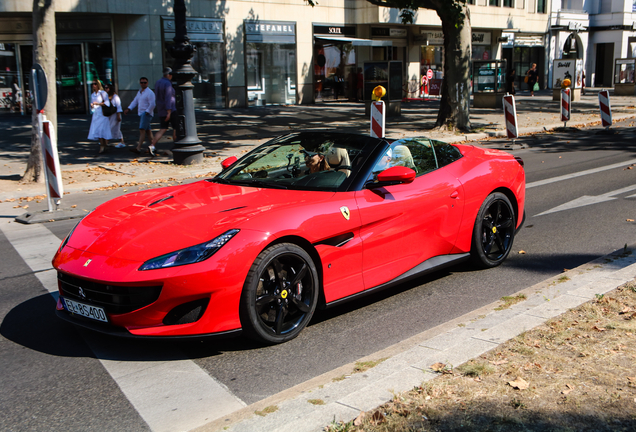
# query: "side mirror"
x,y
396,175
229,162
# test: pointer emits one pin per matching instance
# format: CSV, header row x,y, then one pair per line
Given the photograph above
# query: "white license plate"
x,y
85,310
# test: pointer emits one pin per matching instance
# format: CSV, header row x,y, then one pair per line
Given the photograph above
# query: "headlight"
x,y
193,254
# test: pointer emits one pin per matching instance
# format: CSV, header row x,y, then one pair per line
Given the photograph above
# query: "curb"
x,y
407,363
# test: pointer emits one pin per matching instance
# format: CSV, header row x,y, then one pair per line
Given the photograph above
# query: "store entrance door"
x,y
71,78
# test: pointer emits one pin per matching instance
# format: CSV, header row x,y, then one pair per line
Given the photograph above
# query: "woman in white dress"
x,y
100,126
115,119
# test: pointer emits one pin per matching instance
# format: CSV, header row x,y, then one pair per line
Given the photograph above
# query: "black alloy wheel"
x,y
280,294
494,231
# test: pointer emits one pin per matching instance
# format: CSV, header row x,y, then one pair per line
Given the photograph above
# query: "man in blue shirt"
x,y
166,107
145,103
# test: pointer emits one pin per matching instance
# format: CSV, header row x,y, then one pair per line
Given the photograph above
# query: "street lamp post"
x,y
187,151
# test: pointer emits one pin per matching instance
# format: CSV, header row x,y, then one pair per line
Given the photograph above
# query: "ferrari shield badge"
x,y
345,212
87,262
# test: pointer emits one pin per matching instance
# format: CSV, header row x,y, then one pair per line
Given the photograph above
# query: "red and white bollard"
x,y
53,177
606,109
378,128
566,106
510,114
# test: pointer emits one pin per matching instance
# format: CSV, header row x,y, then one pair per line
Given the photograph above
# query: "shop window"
x,y
209,82
335,71
271,73
8,73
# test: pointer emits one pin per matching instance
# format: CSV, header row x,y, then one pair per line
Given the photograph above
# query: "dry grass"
x,y
575,373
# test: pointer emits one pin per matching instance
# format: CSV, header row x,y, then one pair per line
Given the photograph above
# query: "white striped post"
x,y
378,128
510,114
605,108
53,174
566,106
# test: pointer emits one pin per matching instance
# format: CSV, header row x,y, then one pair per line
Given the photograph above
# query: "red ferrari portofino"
x,y
306,220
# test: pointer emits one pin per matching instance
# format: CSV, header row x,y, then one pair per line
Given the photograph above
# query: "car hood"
x,y
147,224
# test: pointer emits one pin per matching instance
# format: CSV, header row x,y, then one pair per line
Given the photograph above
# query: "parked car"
x,y
260,246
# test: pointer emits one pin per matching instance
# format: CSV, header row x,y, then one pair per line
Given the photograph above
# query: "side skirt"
x,y
428,266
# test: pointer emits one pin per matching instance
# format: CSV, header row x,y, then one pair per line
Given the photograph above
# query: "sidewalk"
x,y
227,132
401,367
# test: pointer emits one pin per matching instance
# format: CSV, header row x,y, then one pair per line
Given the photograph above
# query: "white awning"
x,y
356,41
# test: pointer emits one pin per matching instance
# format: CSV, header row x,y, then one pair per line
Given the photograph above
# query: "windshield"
x,y
303,161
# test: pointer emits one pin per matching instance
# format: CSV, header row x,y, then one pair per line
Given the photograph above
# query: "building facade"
x,y
262,53
595,32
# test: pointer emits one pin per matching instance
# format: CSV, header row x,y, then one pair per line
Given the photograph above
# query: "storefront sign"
x,y
199,29
433,38
195,25
481,38
270,31
388,32
79,25
347,31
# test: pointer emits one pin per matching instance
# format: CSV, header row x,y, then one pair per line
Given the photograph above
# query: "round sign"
x,y
429,74
485,55
39,85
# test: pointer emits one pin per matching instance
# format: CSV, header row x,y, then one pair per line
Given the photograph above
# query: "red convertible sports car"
x,y
306,220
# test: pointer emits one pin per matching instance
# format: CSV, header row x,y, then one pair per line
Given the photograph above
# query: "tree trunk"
x,y
454,111
44,41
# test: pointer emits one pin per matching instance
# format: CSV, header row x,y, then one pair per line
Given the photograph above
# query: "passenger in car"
x,y
402,157
338,159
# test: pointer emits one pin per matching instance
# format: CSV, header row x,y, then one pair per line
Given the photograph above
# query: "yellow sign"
x,y
378,93
345,212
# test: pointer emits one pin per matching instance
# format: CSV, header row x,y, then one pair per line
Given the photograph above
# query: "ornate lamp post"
x,y
187,151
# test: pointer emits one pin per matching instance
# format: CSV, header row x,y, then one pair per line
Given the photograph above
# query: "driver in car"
x,y
316,162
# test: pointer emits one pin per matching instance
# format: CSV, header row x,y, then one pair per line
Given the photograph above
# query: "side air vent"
x,y
160,200
337,241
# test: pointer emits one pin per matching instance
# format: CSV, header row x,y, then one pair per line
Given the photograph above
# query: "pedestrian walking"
x,y
166,108
533,79
16,96
359,84
100,126
115,119
145,103
510,81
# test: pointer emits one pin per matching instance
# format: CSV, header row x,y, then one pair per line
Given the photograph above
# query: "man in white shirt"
x,y
145,103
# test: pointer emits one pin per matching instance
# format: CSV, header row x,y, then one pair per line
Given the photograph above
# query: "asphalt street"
x,y
54,375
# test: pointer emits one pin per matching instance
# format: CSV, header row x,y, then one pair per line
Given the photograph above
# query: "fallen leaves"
x,y
568,389
519,384
441,368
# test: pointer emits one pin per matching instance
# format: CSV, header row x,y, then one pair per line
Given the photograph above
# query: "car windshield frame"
x,y
280,162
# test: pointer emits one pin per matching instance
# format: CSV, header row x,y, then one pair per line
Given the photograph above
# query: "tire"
x,y
280,294
494,231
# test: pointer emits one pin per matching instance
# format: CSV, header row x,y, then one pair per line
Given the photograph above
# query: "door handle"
x,y
454,194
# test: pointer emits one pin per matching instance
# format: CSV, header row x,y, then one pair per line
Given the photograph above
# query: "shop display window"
x,y
209,82
271,73
334,71
8,73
